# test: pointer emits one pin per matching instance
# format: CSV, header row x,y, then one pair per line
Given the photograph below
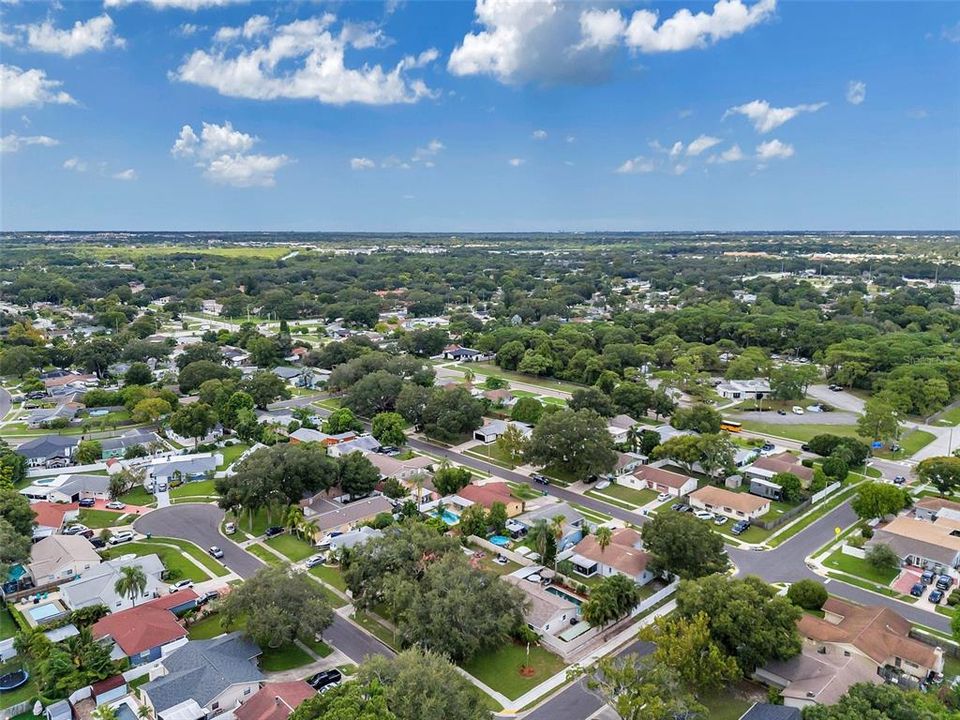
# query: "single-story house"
x,y
735,505
619,435
664,481
234,356
68,488
211,307
44,416
767,711
184,467
627,463
329,517
209,676
622,421
97,586
930,508
547,613
768,466
146,632
303,435
493,429
744,389
813,679
354,538
51,517
362,444
462,354
490,493
921,542
115,447
60,558
624,555
275,701
502,397
49,451
400,469
572,527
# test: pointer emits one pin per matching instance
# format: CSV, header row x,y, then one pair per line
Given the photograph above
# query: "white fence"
x,y
853,551
496,549
655,598
70,469
828,490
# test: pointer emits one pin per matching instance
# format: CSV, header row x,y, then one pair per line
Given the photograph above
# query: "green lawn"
x,y
524,393
197,553
97,519
199,488
627,494
799,432
231,453
492,453
285,657
725,705
330,575
488,368
8,626
138,496
561,475
910,443
261,521
210,627
292,546
22,694
374,628
501,669
551,400
950,417
591,514
268,557
318,646
178,567
860,568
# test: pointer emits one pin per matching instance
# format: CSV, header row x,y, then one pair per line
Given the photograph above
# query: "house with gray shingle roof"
x,y
216,674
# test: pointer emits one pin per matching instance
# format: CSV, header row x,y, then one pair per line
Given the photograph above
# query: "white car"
x,y
115,505
704,515
603,484
181,585
814,408
663,497
121,537
720,520
797,410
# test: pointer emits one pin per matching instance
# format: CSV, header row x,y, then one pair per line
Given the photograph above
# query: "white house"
x,y
744,389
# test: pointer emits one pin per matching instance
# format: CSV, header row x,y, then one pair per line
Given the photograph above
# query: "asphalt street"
x,y
5,403
199,524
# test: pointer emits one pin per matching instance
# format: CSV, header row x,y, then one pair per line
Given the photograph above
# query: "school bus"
x,y
731,426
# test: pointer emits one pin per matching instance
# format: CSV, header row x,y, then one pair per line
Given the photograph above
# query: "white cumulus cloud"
x,y
19,88
774,150
362,163
305,60
539,134
126,175
701,144
224,155
856,92
731,154
516,162
637,165
12,143
766,117
97,33
166,4
75,164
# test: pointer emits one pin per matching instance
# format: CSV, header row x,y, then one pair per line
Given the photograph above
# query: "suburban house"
x,y
735,505
275,701
234,356
354,538
921,542
362,444
462,354
619,435
204,678
182,467
490,493
59,558
547,613
624,555
304,435
767,711
930,508
572,522
49,451
148,631
622,421
68,488
627,463
400,469
51,517
44,416
493,429
211,307
97,585
501,397
766,467
664,481
744,389
331,516
115,447
852,643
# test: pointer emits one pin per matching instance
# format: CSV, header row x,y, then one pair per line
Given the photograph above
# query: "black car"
x,y
207,597
97,543
542,479
87,503
740,527
944,582
918,589
591,479
935,596
768,446
927,577
677,506
805,447
273,531
324,678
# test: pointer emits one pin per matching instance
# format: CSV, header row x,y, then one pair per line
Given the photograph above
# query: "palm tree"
x,y
131,583
468,375
540,535
556,526
293,518
603,535
307,528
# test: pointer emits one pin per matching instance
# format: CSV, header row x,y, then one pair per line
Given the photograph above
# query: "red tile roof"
x,y
51,514
145,626
275,701
488,494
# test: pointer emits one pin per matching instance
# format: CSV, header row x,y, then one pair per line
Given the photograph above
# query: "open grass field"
x,y
178,567
199,488
97,519
911,442
501,669
802,432
488,368
291,546
860,568
197,553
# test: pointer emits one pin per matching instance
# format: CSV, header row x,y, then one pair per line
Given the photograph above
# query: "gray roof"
x,y
571,516
46,414
202,669
766,711
47,446
128,440
355,537
84,483
287,373
187,465
97,585
363,443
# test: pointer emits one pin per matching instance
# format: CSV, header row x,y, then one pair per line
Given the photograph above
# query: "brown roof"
x,y
936,504
145,626
620,554
488,494
877,632
784,463
660,476
51,514
275,701
389,466
714,496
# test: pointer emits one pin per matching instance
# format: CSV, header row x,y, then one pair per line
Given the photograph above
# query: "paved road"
x,y
6,402
199,524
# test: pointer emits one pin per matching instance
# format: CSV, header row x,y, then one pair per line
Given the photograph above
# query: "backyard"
x,y
285,657
231,453
501,669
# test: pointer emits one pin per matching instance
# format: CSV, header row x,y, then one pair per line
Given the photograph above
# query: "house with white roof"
x,y
97,586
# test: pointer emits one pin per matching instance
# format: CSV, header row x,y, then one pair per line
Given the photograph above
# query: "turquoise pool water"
x,y
501,540
39,613
448,517
565,595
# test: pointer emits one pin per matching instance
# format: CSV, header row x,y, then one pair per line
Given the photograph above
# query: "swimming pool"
x,y
500,540
553,590
125,712
39,613
448,517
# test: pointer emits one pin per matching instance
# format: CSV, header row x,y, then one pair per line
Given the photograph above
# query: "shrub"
x,y
881,557
866,532
808,594
807,462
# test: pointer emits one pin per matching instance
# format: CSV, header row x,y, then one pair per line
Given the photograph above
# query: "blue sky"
x,y
430,116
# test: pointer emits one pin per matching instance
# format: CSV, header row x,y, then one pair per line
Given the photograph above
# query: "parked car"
x,y
324,678
161,487
87,502
208,596
273,531
677,506
720,520
663,497
75,529
704,515
927,577
603,484
918,589
591,479
314,560
230,528
814,409
944,582
836,388
899,480
740,527
796,410
768,447
805,447
115,505
121,537
215,551
542,479
180,585
935,596
781,411
97,543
